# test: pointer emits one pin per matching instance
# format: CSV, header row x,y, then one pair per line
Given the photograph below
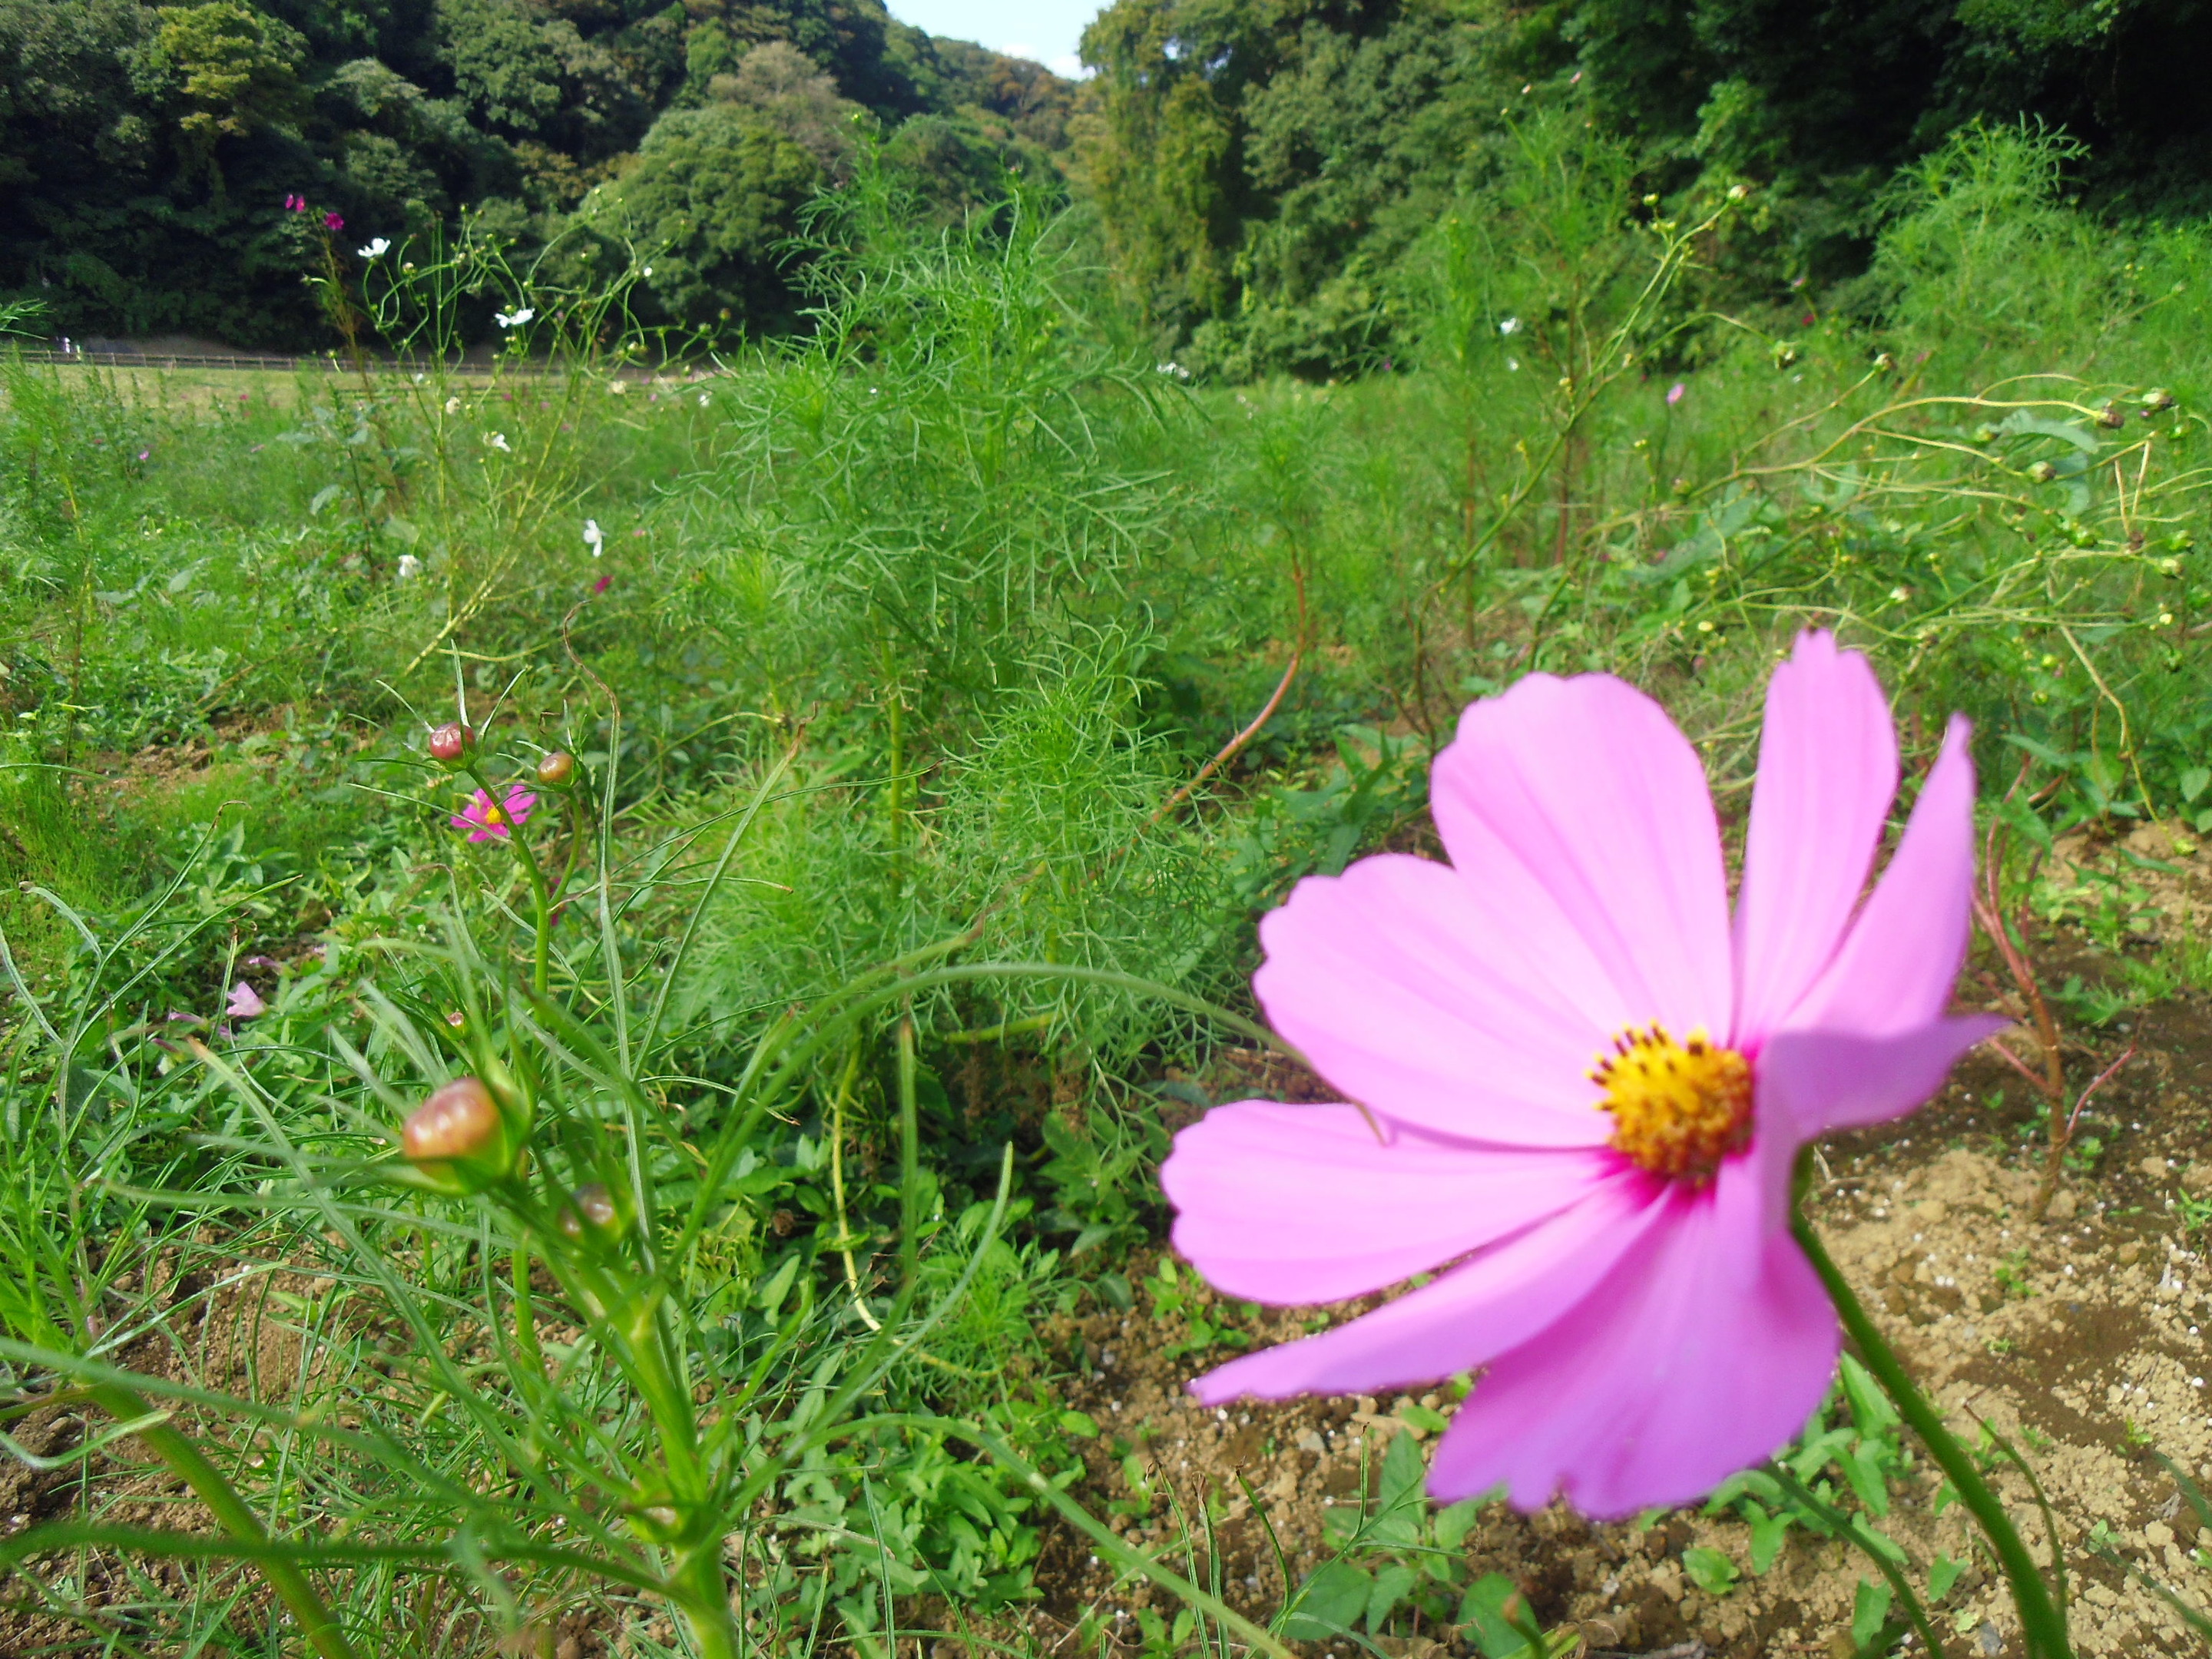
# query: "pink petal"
x,y
1827,771
1407,993
1816,1082
1703,1352
1305,1204
1898,965
1578,803
1468,1316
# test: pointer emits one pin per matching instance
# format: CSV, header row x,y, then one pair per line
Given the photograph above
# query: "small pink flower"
x,y
603,584
1582,1088
295,203
487,822
145,454
1675,393
244,1002
331,221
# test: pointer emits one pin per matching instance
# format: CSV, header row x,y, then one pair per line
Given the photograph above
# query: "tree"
x,y
713,195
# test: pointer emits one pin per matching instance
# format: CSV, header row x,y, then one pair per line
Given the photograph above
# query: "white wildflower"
x,y
453,405
376,250
498,440
514,318
1511,326
409,567
594,537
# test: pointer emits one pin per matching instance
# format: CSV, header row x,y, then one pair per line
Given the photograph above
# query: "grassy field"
x,y
947,693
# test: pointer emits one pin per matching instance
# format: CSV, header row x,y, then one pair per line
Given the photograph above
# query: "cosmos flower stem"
x,y
541,896
189,1464
1899,1585
2040,1621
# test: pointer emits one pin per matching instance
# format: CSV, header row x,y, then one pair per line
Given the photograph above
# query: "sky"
x,y
1045,30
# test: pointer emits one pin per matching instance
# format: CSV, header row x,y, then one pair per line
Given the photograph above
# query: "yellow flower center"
x,y
1678,1108
493,817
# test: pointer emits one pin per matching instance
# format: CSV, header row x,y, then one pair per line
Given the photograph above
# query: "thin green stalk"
x,y
1914,1613
541,897
2041,1623
189,1464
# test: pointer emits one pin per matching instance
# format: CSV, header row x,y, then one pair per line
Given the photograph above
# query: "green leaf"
x,y
1768,1534
1329,1603
1495,1612
1391,1585
1423,1418
1869,1612
2194,782
1115,1288
1452,1524
1710,1570
1081,1424
1943,1573
1871,1407
1404,1471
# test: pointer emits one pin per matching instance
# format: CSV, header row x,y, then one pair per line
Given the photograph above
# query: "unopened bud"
x,y
2043,472
557,769
2113,418
451,742
591,1209
2156,398
460,1137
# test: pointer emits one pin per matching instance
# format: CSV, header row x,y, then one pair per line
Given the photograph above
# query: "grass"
x,y
902,644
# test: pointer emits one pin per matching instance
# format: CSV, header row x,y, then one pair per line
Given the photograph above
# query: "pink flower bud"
x,y
557,769
451,742
591,1210
459,1138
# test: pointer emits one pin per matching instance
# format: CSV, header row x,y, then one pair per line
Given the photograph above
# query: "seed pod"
x,y
558,770
451,743
459,1139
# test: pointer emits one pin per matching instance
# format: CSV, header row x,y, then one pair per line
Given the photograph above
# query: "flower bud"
x,y
2158,398
557,769
2043,472
591,1213
451,743
2113,418
460,1137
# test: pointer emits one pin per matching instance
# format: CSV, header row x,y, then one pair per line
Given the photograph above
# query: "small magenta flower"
x,y
331,221
1675,393
603,584
1581,1087
244,1002
486,821
296,203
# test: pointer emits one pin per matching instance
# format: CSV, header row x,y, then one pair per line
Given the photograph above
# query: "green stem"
x,y
1915,1613
189,1464
2041,1623
701,1593
542,899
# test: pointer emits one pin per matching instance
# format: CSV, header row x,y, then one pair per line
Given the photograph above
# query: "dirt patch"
x,y
2077,1338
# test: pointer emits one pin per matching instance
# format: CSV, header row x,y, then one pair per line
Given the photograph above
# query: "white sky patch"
x,y
1044,31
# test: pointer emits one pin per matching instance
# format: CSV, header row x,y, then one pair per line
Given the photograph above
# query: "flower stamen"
x,y
1678,1109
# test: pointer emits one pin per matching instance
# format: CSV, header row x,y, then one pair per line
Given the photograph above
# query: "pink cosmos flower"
x,y
1581,1089
486,821
1675,393
244,1002
331,221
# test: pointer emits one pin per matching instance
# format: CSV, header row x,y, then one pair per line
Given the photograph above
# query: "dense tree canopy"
x,y
1263,166
146,152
